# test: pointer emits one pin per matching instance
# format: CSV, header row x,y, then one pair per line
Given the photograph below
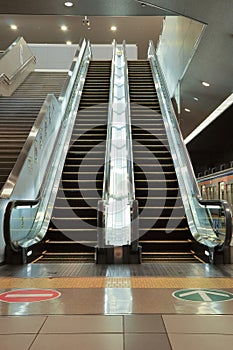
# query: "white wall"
x,y
53,56
178,42
104,52
59,56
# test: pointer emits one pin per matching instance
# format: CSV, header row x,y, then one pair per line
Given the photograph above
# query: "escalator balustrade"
x,y
72,233
18,114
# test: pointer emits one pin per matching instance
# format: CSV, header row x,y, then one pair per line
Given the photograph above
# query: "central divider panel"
x,y
117,212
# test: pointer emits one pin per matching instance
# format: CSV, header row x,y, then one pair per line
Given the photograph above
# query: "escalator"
x,y
163,229
72,233
18,113
57,222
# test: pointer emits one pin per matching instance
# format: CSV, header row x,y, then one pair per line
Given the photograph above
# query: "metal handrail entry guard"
x,y
215,245
117,240
68,109
9,82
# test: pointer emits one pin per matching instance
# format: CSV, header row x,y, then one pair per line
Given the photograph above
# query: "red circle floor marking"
x,y
29,295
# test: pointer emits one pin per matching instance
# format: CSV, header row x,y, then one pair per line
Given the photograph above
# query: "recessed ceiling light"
x,y
196,99
187,110
64,28
69,42
205,84
113,28
68,4
14,27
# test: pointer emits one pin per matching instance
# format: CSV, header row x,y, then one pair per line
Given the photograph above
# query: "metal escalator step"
x,y
157,164
56,207
160,143
166,242
68,242
162,176
77,198
79,180
163,229
157,181
92,161
159,154
71,189
145,133
86,140
73,218
10,153
73,229
71,154
186,257
66,254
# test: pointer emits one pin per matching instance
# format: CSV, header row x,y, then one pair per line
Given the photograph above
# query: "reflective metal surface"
x,y
198,216
16,63
46,146
118,187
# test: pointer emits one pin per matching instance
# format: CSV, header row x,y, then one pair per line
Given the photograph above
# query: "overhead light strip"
x,y
215,114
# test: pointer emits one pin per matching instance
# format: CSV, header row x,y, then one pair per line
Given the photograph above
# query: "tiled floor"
x,y
131,332
117,308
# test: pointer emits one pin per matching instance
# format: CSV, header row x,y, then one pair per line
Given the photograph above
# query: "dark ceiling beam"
x,y
80,8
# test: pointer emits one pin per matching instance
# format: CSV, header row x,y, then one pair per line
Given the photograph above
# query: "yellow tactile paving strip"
x,y
116,282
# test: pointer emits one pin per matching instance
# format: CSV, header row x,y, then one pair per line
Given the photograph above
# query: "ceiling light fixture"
x,y
64,28
68,4
187,110
69,42
14,27
196,99
205,83
113,28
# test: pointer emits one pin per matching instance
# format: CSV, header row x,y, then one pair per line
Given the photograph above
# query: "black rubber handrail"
x,y
227,214
7,216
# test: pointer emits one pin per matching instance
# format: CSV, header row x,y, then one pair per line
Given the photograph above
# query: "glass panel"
x,y
28,224
199,218
15,64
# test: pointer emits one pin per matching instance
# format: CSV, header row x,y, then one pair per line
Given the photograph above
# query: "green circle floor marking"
x,y
203,295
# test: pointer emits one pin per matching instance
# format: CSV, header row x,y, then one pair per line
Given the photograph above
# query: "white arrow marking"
x,y
28,295
204,295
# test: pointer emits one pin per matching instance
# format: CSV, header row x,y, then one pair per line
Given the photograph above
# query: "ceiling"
x,y
218,147
35,29
39,22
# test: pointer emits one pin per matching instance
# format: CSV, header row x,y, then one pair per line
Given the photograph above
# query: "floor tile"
x,y
144,324
201,341
20,324
16,341
83,324
135,341
78,341
222,324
